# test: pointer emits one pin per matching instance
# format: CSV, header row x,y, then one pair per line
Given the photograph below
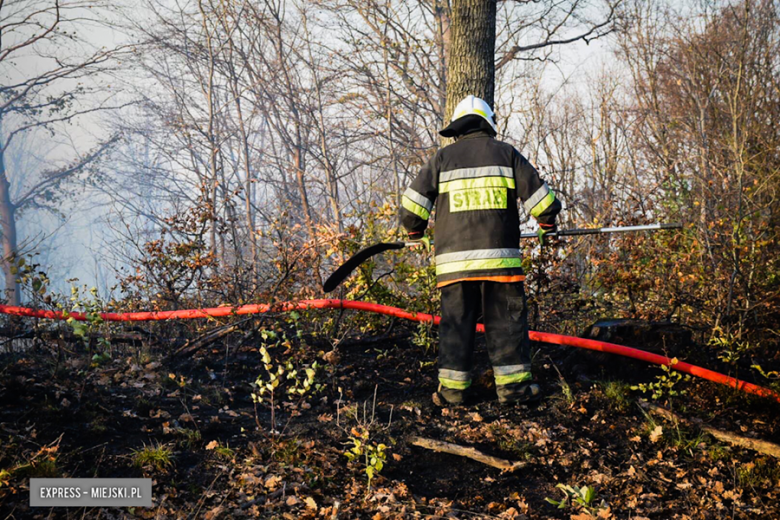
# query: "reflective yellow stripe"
x,y
471,111
478,265
419,198
482,182
537,196
456,385
415,208
543,204
513,378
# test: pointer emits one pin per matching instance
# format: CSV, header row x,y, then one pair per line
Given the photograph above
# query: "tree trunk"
x,y
300,178
471,68
8,223
441,12
208,92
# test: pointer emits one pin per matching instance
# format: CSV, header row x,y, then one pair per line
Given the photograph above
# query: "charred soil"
x,y
192,425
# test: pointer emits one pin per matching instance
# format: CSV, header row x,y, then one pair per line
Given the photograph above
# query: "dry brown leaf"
x,y
310,503
291,501
605,513
214,513
272,482
212,445
332,357
656,434
582,516
159,414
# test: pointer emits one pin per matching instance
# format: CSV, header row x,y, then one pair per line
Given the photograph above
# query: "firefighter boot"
x,y
515,393
448,396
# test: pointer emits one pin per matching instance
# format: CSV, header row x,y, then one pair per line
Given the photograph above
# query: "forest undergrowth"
x,y
275,421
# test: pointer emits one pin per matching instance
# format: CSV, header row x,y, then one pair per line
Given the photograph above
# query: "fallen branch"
x,y
765,447
471,453
206,339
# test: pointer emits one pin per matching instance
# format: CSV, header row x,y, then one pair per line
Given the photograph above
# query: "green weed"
x,y
665,384
287,451
718,452
580,497
92,324
281,376
687,440
772,377
98,426
618,394
762,472
424,338
370,455
46,468
223,452
363,448
520,449
566,391
731,347
154,458
42,464
188,438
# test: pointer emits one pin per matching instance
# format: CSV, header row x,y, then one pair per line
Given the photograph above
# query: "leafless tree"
x,y
63,85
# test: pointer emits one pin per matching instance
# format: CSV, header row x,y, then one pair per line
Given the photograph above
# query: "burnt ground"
x,y
190,424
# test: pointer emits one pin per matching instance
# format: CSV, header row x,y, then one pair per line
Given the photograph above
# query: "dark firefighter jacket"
x,y
475,183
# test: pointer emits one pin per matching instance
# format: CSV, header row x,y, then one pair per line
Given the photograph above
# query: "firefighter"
x,y
475,183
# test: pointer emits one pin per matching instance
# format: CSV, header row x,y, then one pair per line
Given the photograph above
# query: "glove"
x,y
543,230
419,241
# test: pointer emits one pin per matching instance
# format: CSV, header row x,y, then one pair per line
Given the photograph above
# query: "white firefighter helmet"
x,y
470,105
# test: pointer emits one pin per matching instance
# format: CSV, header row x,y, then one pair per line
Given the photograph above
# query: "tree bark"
x,y
441,12
8,224
248,189
208,92
472,46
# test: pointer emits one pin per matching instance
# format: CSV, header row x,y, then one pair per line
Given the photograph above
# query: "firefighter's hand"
x,y
419,242
543,230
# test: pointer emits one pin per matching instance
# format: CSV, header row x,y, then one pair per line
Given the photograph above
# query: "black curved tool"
x,y
340,274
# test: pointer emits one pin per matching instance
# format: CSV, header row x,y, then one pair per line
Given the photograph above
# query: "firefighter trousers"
x,y
504,312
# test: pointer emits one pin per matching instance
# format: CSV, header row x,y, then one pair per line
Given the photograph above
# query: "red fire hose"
x,y
542,337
